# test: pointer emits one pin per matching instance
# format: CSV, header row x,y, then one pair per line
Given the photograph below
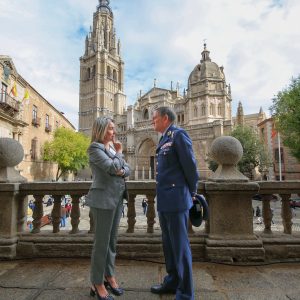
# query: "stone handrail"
x,y
228,235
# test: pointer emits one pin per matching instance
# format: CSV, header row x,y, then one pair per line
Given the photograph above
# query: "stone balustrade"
x,y
227,236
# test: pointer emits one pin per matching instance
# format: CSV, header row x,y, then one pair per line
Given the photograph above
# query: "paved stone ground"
x,y
68,279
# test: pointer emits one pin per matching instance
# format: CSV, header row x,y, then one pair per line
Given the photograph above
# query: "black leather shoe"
x,y
162,289
116,291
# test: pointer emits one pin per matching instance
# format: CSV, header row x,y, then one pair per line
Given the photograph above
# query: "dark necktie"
x,y
161,138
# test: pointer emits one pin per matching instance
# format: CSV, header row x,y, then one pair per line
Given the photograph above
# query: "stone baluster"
x,y
22,212
150,213
75,214
38,213
131,213
266,213
286,213
92,224
56,213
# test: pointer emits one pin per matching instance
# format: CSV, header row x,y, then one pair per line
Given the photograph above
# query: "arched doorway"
x,y
145,159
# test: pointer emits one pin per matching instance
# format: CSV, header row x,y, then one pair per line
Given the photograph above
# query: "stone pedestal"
x,y
11,154
8,220
231,236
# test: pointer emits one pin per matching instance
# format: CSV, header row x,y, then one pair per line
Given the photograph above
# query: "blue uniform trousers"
x,y
177,251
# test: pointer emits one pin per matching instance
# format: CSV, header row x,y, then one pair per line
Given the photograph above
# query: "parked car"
x,y
295,202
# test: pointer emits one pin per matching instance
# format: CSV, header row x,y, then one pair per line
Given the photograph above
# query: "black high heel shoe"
x,y
94,293
116,291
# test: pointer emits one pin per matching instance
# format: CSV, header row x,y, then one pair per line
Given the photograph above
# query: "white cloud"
x,y
257,42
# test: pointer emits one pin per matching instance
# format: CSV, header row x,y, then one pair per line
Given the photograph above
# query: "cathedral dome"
x,y
206,69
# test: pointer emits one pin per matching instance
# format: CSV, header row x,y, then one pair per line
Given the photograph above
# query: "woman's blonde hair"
x,y
100,128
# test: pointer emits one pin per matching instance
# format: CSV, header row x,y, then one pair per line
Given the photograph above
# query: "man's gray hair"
x,y
164,110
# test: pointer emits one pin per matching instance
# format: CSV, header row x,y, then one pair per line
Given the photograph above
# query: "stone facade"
x,y
29,118
251,120
204,109
290,167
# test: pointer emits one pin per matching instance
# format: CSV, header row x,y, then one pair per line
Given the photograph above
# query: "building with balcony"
x,y
26,116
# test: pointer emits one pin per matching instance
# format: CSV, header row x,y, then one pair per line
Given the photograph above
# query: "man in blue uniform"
x,y
176,182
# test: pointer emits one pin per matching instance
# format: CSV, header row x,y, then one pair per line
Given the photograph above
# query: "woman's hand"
x,y
118,146
121,172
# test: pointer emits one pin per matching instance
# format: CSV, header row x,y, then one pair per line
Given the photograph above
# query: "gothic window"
x,y
34,112
276,154
47,121
182,118
108,72
115,75
203,110
88,73
195,112
212,109
33,150
3,92
146,114
178,118
219,110
94,71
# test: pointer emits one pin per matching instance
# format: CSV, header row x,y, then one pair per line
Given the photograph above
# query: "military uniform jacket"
x,y
176,171
107,187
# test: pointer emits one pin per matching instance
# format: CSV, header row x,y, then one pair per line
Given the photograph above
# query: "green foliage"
x,y
68,150
212,165
286,113
255,154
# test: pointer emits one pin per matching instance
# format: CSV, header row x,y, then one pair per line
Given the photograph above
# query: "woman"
x,y
105,199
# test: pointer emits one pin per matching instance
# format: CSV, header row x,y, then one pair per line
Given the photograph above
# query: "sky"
x,y
256,41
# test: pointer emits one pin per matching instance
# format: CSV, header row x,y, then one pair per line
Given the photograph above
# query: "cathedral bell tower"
x,y
101,90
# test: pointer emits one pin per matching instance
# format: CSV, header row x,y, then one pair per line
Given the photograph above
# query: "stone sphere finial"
x,y
11,154
227,152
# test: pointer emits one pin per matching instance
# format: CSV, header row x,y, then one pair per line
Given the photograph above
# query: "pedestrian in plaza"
x,y
63,216
144,205
176,183
257,212
68,208
105,199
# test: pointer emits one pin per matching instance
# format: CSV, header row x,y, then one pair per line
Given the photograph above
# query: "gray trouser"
x,y
106,223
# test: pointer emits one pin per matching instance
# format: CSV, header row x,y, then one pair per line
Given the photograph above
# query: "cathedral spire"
x,y
104,6
205,54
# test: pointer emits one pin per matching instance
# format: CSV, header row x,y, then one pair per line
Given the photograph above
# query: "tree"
x,y
286,114
68,150
254,151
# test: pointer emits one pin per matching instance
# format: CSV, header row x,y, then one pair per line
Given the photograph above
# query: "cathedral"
x,y
204,109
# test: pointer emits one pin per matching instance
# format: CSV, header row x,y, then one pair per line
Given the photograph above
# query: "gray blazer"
x,y
107,187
